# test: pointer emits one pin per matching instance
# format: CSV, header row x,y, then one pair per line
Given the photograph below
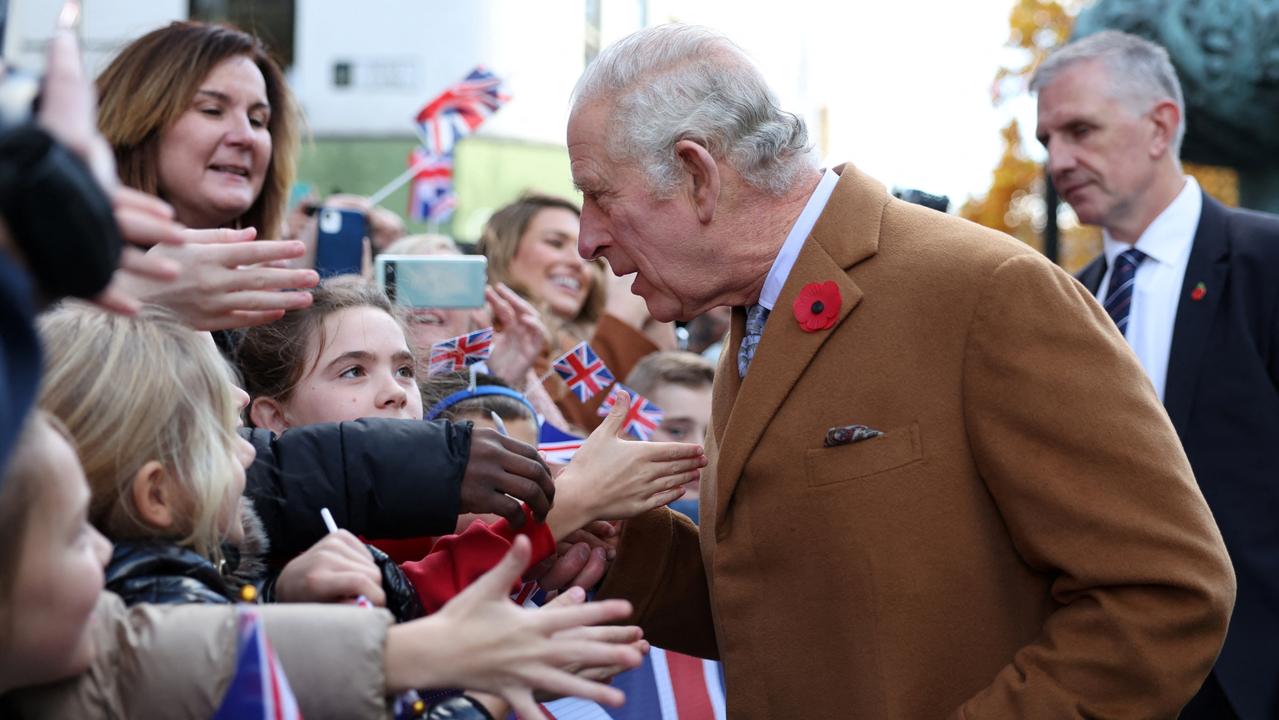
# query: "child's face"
x,y
230,523
59,578
686,414
364,370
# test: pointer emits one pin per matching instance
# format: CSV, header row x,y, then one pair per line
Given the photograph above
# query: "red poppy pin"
x,y
817,306
1198,293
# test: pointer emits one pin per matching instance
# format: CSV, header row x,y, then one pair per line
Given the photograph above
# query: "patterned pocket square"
x,y
849,434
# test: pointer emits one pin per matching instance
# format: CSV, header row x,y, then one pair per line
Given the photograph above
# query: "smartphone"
x,y
433,281
339,246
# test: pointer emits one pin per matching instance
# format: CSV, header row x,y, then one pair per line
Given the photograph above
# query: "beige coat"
x,y
176,661
1026,539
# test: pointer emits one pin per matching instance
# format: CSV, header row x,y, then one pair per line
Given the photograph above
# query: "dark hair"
x,y
148,86
670,368
438,387
273,358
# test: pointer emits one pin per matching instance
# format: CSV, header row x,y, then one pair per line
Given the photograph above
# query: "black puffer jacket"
x,y
161,572
381,479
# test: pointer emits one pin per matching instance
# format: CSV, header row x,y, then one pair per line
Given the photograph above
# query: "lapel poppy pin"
x,y
1198,293
817,306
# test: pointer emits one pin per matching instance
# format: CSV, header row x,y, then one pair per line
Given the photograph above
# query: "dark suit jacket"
x,y
1025,540
1222,394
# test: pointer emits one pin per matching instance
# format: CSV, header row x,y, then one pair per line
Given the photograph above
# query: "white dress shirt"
x,y
1157,286
799,232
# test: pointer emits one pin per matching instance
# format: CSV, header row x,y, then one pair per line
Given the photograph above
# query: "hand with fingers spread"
x,y
498,467
482,641
611,478
521,337
335,569
225,280
631,635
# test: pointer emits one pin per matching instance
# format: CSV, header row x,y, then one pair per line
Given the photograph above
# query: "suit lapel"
x,y
846,233
1091,275
1208,263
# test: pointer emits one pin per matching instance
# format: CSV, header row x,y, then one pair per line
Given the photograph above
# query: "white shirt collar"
x,y
799,232
1168,238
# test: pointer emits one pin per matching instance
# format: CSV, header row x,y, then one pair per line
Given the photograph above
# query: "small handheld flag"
x,y
431,193
556,445
459,110
583,371
258,688
641,420
461,352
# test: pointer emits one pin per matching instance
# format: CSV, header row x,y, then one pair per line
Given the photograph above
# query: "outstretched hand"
x,y
501,472
225,281
482,641
521,338
611,478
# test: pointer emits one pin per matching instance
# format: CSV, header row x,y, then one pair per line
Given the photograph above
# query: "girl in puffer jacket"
x,y
348,356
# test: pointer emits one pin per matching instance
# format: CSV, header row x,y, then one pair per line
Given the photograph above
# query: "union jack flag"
x,y
461,352
459,110
668,686
258,689
643,417
431,194
556,445
583,371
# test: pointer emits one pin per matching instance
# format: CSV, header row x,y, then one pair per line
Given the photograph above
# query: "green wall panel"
x,y
487,173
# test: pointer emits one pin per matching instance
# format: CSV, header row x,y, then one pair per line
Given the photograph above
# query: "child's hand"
x,y
482,641
335,569
611,478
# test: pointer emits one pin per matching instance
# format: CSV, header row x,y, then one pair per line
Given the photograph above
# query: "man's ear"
x,y
154,496
268,413
1167,118
704,173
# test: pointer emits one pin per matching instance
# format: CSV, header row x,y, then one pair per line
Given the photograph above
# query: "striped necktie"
x,y
756,316
1122,279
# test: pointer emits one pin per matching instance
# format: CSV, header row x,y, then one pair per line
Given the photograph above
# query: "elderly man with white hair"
x,y
939,483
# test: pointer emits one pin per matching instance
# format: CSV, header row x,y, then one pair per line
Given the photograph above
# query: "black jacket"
x,y
162,572
1222,394
381,479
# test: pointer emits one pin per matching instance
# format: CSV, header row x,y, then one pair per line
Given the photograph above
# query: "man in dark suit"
x,y
1194,287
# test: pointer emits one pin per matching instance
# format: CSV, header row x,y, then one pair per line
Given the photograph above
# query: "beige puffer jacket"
x,y
176,661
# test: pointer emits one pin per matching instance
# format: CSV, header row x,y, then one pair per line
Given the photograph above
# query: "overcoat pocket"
x,y
893,449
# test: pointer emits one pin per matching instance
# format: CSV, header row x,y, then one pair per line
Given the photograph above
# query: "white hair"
x,y
1139,72
685,82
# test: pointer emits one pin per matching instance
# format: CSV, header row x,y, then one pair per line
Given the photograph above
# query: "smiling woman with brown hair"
x,y
201,115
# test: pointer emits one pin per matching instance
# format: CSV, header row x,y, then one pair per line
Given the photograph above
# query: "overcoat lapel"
x,y
846,233
1209,263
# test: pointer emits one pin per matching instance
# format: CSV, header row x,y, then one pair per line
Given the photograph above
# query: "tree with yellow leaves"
x,y
1014,203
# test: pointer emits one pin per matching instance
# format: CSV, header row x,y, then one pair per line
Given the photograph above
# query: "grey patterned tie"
x,y
756,316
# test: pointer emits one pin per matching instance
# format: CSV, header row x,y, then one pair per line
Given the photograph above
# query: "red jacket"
x,y
443,567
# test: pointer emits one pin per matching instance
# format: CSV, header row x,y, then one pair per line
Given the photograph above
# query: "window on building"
x,y
271,20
